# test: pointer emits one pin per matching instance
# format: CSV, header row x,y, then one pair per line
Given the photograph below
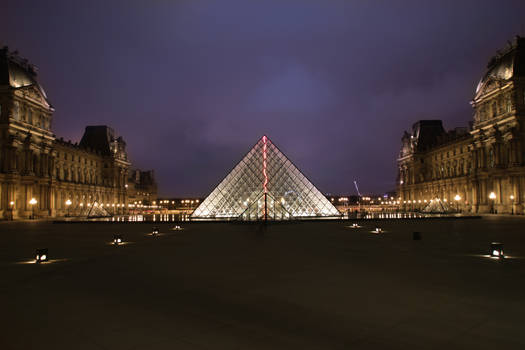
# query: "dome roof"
x,y
17,72
507,64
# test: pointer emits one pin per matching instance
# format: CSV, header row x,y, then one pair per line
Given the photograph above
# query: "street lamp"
x,y
11,206
33,201
492,196
68,203
512,203
457,198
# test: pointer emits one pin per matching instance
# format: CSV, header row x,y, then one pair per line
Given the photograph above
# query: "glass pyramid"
x,y
265,185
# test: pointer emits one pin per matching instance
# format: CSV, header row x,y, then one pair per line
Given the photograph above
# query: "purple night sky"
x,y
192,85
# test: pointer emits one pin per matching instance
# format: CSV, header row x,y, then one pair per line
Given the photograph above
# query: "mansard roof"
x,y
507,64
101,138
17,73
427,135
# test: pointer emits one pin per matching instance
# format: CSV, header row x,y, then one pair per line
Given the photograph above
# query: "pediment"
x,y
34,94
487,86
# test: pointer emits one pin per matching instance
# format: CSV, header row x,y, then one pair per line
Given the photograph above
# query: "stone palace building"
x,y
480,169
42,176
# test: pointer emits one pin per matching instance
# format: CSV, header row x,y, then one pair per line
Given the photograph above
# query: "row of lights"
x,y
42,254
424,201
68,202
184,201
32,201
495,250
457,198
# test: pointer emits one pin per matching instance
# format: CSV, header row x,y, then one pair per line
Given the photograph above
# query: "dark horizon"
x,y
191,86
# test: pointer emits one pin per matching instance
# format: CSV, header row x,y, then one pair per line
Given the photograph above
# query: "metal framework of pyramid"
x,y
265,185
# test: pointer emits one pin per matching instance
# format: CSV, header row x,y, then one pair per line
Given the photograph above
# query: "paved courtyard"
x,y
306,285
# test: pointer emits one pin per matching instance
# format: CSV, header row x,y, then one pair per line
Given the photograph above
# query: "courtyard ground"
x,y
304,285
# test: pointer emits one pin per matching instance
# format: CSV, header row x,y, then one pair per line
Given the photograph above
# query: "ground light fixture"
x,y
41,255
117,240
496,250
177,228
155,231
354,225
378,230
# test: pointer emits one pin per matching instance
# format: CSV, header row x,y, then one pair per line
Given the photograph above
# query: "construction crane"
x,y
357,188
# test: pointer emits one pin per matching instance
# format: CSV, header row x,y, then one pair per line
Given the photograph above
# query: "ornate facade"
x,y
41,176
480,169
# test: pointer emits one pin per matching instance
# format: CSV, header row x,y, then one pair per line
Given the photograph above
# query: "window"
x,y
16,111
508,104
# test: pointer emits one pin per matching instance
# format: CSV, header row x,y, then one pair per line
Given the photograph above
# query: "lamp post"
x,y
11,207
457,198
492,197
33,201
512,204
68,204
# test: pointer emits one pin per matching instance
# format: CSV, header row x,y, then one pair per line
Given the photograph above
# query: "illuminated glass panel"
x,y
265,184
